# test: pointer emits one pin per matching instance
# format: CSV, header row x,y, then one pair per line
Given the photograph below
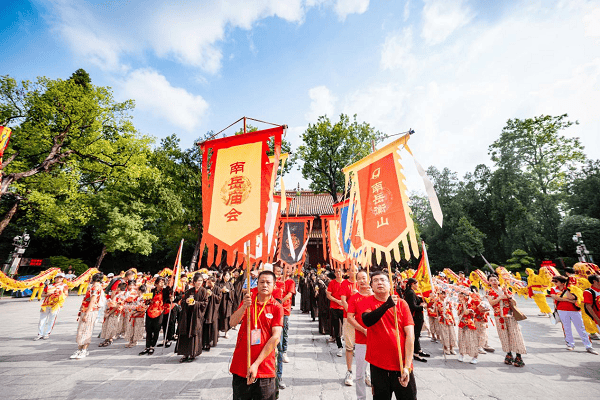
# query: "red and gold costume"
x,y
509,331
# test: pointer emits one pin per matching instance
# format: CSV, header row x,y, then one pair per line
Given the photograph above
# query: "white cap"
x,y
268,267
204,276
442,274
110,275
139,273
60,275
156,275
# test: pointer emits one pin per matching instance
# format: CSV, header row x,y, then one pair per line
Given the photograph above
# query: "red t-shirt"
x,y
278,290
353,302
348,289
381,337
588,299
271,316
563,305
335,288
289,287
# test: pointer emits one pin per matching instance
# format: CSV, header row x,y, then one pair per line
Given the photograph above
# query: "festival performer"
x,y
463,280
446,323
334,294
508,328
467,332
135,308
266,319
537,291
87,316
171,313
434,325
363,377
582,270
193,307
591,299
226,306
349,287
111,327
569,312
323,310
210,330
54,298
37,291
377,312
287,288
154,313
416,303
482,312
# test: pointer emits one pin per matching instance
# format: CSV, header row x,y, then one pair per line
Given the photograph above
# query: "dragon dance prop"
x,y
508,280
479,279
83,278
237,179
12,284
451,275
165,272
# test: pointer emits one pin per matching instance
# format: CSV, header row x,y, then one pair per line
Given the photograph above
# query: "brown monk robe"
x,y
210,331
191,321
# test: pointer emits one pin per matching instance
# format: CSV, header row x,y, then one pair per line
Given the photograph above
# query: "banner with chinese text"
x,y
293,234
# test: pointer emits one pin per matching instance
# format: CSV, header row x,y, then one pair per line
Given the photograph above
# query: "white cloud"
x,y
343,8
406,13
442,17
591,22
155,95
397,50
323,103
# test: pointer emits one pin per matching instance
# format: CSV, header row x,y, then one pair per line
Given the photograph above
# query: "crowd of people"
x,y
375,322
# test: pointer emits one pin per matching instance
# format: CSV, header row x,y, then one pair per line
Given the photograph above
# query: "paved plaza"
x,y
43,370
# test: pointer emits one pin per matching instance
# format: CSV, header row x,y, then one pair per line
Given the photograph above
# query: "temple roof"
x,y
306,202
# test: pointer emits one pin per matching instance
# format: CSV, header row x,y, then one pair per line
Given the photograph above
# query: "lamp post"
x,y
582,252
12,264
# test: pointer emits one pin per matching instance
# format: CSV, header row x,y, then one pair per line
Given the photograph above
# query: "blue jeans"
x,y
282,346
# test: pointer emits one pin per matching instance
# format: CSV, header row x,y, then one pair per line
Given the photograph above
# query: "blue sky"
x,y
454,71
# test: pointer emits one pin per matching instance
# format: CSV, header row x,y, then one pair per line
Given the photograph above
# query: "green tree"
x,y
330,147
470,239
519,261
286,147
64,263
583,191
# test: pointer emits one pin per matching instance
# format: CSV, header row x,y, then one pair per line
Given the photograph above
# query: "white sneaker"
x,y
595,336
474,360
83,354
75,355
340,352
481,350
285,358
348,380
368,378
570,348
461,358
453,352
591,350
38,337
46,337
226,335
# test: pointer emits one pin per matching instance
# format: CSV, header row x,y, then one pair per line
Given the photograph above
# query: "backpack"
x,y
594,306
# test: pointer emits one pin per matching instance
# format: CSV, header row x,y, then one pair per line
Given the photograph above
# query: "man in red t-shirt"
x,y
360,337
287,288
334,294
266,319
349,287
569,312
591,298
377,312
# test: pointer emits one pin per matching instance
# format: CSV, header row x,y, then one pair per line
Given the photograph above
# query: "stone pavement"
x,y
43,370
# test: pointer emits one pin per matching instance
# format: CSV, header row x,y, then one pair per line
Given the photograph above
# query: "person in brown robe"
x,y
210,331
226,306
191,321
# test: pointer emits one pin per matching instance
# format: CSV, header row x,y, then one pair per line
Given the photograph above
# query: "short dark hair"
x,y
376,273
266,272
97,277
593,278
569,270
197,277
493,276
410,281
560,278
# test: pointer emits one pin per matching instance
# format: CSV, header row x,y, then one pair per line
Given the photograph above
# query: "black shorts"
x,y
261,389
386,382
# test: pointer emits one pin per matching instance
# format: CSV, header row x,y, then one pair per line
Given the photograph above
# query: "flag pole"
x,y
176,273
249,309
393,289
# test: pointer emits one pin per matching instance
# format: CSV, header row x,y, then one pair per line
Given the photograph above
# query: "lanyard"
x,y
256,316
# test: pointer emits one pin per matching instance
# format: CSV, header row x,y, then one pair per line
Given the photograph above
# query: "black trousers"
x,y
337,320
386,382
172,320
261,389
153,326
418,327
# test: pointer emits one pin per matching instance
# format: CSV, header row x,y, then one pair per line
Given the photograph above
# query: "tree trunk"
x,y
8,216
102,254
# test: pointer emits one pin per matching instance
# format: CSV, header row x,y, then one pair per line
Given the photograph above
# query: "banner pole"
x,y
248,310
392,288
